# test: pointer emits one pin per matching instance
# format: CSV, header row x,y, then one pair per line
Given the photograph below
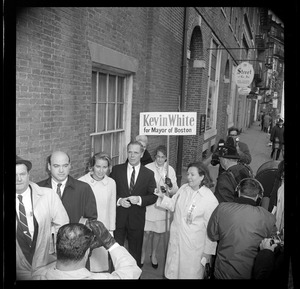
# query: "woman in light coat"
x,y
158,219
104,189
189,246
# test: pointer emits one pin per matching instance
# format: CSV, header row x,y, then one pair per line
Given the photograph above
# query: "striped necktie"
x,y
23,218
58,191
132,180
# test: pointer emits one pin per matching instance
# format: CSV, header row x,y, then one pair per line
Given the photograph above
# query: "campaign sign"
x,y
168,123
244,74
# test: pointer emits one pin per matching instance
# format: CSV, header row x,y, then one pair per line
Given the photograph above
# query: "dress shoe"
x,y
153,265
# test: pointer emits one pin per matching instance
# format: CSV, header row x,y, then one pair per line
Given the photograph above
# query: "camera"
x,y
231,141
276,239
163,189
215,160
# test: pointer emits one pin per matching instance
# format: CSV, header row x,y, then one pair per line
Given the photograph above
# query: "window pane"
x,y
107,143
112,88
97,143
120,94
119,116
102,88
111,117
115,151
101,117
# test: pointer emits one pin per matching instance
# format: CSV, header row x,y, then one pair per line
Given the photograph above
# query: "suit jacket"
x,y
48,210
238,228
78,199
144,187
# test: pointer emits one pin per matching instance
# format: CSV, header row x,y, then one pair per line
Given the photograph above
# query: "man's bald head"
x,y
59,165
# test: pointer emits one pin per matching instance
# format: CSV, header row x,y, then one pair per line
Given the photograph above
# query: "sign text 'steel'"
x,y
168,123
244,74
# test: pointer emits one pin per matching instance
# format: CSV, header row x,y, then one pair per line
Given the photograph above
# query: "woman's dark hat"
x,y
20,161
228,152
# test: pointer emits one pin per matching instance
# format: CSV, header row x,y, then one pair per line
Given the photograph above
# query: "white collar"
x,y
63,183
25,194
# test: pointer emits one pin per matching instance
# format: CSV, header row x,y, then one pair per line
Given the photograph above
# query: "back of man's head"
x,y
73,240
251,188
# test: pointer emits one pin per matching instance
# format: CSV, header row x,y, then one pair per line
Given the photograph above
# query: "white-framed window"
x,y
108,114
213,85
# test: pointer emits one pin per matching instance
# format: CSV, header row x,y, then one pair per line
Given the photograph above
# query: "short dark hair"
x,y
233,129
203,171
161,148
73,240
135,142
250,187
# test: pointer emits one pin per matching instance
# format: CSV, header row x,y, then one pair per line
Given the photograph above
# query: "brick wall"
x,y
53,74
52,87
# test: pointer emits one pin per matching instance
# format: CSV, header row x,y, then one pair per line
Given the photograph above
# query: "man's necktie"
x,y
132,180
58,191
23,219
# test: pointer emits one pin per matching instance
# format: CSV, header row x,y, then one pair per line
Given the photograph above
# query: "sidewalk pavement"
x,y
257,142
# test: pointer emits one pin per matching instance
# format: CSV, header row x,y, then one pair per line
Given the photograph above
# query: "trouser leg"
x,y
135,243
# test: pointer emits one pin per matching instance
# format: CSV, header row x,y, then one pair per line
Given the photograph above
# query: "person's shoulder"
x,y
78,183
150,166
84,178
119,166
44,182
110,180
40,188
146,170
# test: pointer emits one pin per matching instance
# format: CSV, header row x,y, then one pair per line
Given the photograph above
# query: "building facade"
x,y
271,42
83,75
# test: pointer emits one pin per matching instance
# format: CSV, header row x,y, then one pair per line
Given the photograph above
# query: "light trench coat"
x,y
189,240
50,215
105,195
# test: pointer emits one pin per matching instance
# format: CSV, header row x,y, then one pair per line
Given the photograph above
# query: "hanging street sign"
x,y
244,74
244,90
168,123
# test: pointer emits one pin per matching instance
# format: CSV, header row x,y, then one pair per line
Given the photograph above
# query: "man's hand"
x,y
266,244
102,235
158,193
168,182
133,199
125,202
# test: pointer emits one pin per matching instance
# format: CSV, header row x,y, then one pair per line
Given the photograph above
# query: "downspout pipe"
x,y
182,95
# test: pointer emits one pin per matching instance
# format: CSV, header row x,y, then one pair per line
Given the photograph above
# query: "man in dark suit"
x,y
76,196
135,191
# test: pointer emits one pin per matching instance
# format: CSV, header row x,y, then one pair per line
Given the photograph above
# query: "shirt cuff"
x,y
115,245
118,202
140,201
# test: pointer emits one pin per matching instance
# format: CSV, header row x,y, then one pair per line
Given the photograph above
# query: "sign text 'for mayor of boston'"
x,y
168,123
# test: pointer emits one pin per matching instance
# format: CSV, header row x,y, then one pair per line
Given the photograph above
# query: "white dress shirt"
x,y
62,187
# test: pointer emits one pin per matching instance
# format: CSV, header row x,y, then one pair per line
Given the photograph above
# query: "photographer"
x,y
75,242
233,172
268,263
241,147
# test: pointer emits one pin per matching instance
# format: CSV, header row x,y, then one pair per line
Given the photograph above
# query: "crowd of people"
x,y
101,225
